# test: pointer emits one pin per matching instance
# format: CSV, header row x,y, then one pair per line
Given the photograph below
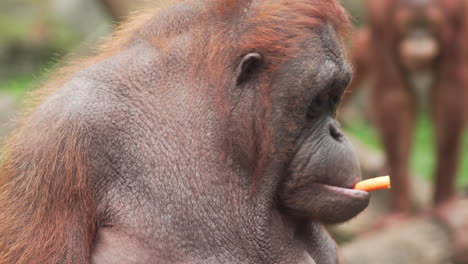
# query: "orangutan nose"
x,y
335,131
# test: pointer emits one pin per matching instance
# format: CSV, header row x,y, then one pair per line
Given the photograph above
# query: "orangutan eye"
x,y
337,89
320,101
335,100
317,106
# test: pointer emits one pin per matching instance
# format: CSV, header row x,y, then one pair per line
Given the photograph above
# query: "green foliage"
x,y
356,9
18,86
22,83
64,38
11,29
32,35
423,150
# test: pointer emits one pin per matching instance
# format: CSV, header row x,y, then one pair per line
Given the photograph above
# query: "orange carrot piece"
x,y
374,184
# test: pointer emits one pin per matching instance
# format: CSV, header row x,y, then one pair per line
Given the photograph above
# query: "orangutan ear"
x,y
249,66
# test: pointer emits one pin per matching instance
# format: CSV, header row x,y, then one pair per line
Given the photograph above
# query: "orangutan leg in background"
x,y
448,116
394,109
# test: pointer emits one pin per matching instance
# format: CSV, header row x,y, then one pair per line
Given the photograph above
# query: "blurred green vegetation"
x,y
35,35
357,11
17,86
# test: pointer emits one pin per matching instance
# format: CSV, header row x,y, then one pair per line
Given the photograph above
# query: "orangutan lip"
x,y
357,194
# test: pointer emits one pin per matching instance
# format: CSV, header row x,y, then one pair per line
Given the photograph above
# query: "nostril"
x,y
335,132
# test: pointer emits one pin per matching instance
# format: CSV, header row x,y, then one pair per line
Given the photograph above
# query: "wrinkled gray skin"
x,y
169,189
323,159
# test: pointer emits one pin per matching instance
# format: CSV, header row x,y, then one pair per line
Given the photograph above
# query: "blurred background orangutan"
x,y
405,110
415,54
404,42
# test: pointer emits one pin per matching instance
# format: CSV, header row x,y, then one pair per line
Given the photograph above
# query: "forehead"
x,y
323,46
320,59
330,44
